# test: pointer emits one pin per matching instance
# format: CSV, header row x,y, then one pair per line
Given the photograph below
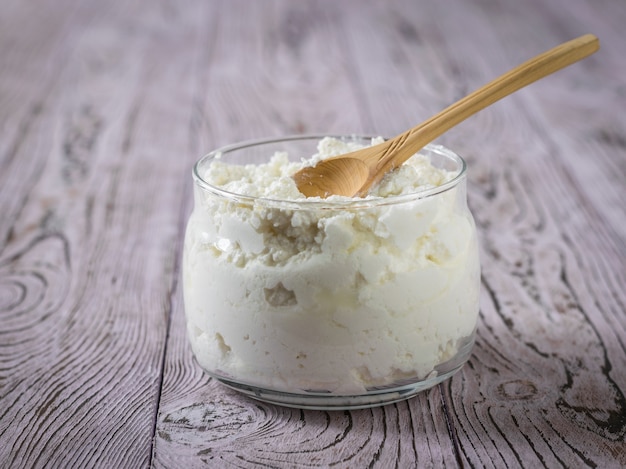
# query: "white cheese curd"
x,y
336,297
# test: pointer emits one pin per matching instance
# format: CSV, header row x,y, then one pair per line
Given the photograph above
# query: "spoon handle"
x,y
528,72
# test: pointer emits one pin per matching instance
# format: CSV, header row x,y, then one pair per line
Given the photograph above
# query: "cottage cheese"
x,y
340,301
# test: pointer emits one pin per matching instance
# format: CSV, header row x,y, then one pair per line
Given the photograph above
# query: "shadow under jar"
x,y
331,303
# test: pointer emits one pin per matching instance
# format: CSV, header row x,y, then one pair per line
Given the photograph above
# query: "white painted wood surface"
x,y
104,106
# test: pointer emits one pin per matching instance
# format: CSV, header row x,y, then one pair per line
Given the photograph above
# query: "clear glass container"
x,y
330,304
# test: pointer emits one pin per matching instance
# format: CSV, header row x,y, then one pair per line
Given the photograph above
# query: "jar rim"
x,y
316,202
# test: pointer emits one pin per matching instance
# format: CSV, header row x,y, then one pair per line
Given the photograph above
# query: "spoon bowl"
x,y
353,174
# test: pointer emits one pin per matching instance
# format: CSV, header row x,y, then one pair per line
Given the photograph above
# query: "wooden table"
x,y
105,105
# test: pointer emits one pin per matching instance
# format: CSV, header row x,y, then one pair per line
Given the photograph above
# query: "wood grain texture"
x,y
105,105
88,253
541,367
549,369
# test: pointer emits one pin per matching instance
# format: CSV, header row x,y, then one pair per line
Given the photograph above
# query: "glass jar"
x,y
330,304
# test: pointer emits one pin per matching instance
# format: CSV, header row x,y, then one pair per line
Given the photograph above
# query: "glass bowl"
x,y
330,304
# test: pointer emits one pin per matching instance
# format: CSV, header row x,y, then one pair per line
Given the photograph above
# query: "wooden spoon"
x,y
353,174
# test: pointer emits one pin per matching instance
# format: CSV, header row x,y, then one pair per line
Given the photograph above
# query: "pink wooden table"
x,y
105,105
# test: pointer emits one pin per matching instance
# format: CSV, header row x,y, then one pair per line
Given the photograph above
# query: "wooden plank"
x,y
381,110
275,70
545,385
89,249
300,80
